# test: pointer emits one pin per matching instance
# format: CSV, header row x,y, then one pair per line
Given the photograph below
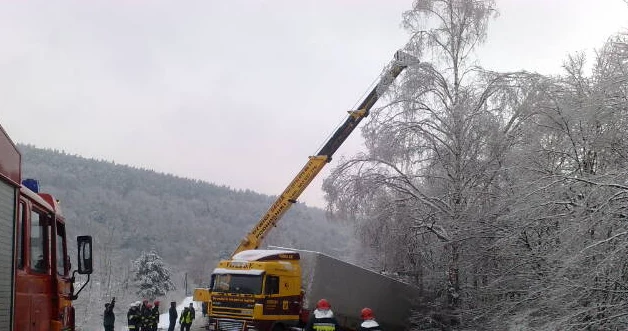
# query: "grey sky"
x,y
234,92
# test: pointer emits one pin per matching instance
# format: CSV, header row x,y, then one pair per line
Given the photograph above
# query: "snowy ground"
x,y
164,318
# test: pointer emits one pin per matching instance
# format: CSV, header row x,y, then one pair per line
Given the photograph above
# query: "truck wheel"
x,y
279,327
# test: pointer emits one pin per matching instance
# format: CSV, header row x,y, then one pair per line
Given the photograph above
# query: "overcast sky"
x,y
237,93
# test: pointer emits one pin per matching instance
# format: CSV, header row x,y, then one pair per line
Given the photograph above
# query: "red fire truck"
x,y
36,285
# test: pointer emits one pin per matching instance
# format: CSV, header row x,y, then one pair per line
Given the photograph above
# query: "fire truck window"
x,y
20,233
272,285
37,243
60,258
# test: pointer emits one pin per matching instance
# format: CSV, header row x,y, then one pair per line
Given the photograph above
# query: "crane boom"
x,y
316,163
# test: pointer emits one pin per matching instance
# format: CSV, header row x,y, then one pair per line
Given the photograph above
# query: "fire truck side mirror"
x,y
84,255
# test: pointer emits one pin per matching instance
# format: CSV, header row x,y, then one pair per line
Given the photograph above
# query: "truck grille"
x,y
229,325
225,312
229,312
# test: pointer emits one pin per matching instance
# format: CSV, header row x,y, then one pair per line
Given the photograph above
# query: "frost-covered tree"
x,y
435,154
571,216
151,276
513,184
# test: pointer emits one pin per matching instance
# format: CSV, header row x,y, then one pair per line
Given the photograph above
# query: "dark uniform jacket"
x,y
133,318
186,316
147,317
322,320
143,319
154,316
173,315
109,318
370,325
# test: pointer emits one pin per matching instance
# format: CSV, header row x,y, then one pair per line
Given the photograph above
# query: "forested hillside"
x,y
190,224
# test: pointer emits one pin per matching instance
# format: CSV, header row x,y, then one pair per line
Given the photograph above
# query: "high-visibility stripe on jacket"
x,y
186,317
322,320
133,318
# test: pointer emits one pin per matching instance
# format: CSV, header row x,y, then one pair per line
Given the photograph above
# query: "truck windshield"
x,y
236,283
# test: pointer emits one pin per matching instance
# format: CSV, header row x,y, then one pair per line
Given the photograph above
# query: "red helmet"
x,y
366,313
149,306
156,302
323,304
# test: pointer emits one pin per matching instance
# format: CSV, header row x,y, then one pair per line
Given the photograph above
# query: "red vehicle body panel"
x,y
42,298
41,284
10,160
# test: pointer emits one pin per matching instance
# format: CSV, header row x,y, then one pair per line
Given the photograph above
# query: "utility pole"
x,y
185,284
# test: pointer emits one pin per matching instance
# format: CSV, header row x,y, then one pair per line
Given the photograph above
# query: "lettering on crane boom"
x,y
304,177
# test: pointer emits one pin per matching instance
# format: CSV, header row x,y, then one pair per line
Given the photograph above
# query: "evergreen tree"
x,y
151,276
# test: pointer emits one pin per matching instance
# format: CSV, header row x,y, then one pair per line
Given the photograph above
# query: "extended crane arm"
x,y
314,165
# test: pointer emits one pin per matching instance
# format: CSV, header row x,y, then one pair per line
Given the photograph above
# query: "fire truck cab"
x,y
36,282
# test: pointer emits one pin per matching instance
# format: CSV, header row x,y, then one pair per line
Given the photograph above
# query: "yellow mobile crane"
x,y
316,163
261,290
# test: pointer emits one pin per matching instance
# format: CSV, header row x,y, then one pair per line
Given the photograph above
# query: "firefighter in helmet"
x,y
143,309
322,318
154,318
369,323
147,317
133,316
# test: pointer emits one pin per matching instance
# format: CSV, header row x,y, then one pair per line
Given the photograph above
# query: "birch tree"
x,y
503,193
436,151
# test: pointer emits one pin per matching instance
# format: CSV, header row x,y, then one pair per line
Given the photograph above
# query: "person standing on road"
x,y
204,308
154,318
173,316
133,316
147,317
322,318
109,318
143,309
369,323
193,311
186,319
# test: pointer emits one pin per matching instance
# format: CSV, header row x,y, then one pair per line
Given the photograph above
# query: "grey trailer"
x,y
349,288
